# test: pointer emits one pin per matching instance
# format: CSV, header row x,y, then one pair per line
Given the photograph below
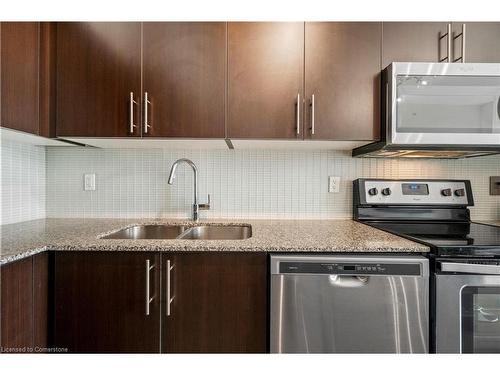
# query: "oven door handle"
x,y
480,269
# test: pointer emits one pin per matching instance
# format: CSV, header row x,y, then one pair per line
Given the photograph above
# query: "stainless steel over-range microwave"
x,y
443,110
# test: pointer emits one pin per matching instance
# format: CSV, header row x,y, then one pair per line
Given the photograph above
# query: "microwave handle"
x,y
498,108
480,269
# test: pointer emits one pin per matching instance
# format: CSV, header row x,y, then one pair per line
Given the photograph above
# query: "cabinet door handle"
x,y
447,35
169,298
312,114
298,113
462,34
146,102
149,299
132,102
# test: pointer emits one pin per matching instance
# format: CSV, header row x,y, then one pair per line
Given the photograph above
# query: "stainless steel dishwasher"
x,y
349,304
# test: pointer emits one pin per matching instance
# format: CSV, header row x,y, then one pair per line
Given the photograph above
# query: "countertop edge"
x,y
353,241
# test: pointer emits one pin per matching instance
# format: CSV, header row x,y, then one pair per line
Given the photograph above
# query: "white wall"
x,y
22,182
243,184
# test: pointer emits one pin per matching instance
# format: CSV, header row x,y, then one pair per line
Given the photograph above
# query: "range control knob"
x,y
460,192
373,191
386,191
446,192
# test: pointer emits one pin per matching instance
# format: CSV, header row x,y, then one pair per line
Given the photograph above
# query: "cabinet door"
x,y
16,300
219,303
19,75
41,308
184,72
265,79
342,65
413,42
482,42
98,66
101,301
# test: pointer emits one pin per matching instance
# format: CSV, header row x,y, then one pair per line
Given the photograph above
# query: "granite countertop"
x,y
25,239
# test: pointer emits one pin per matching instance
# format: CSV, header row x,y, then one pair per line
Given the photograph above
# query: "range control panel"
x,y
349,268
414,192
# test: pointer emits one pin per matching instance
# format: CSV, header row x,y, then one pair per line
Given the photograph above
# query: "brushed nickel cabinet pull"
x,y
146,123
149,299
131,113
312,114
447,35
462,34
298,114
169,298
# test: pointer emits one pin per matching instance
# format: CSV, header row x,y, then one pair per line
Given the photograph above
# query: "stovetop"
x,y
448,238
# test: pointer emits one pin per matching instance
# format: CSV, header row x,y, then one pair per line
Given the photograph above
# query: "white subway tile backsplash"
x,y
242,183
22,182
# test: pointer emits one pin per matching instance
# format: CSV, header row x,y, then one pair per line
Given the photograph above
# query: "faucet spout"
x,y
196,206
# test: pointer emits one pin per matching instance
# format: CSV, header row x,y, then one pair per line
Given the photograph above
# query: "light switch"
x,y
89,181
333,184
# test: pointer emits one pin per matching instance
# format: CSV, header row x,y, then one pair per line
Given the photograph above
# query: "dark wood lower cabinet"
x,y
101,302
17,306
24,300
219,303
42,311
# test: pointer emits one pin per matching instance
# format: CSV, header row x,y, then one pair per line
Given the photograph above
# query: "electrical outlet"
x,y
495,185
89,181
333,184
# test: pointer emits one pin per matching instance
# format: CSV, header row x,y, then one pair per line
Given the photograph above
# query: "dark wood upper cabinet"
x,y
98,67
342,75
28,77
482,42
101,302
184,73
16,300
265,78
413,42
19,80
219,303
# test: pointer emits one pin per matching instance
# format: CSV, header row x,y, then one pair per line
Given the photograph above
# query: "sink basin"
x,y
147,232
212,232
182,232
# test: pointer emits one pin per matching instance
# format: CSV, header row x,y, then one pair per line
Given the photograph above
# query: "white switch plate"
x,y
333,184
89,181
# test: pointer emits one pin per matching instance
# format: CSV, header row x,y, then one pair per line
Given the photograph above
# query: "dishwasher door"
x,y
349,304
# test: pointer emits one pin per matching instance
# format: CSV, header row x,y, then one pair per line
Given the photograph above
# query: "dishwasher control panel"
x,y
395,269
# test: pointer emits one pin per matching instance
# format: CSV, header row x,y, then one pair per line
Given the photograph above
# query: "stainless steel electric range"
x,y
465,256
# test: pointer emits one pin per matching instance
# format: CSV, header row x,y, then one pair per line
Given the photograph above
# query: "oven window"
x,y
481,320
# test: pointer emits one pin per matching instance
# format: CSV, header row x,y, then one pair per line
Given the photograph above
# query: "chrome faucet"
x,y
196,207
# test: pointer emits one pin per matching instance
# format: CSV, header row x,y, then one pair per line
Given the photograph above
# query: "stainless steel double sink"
x,y
182,232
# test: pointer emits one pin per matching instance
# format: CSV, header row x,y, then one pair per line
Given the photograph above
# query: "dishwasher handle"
x,y
344,281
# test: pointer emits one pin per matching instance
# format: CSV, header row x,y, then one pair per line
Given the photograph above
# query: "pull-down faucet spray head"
x,y
172,174
196,206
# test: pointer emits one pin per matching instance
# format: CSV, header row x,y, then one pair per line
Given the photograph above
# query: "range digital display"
x,y
415,189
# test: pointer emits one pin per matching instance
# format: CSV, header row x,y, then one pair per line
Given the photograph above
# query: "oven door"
x,y
467,308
